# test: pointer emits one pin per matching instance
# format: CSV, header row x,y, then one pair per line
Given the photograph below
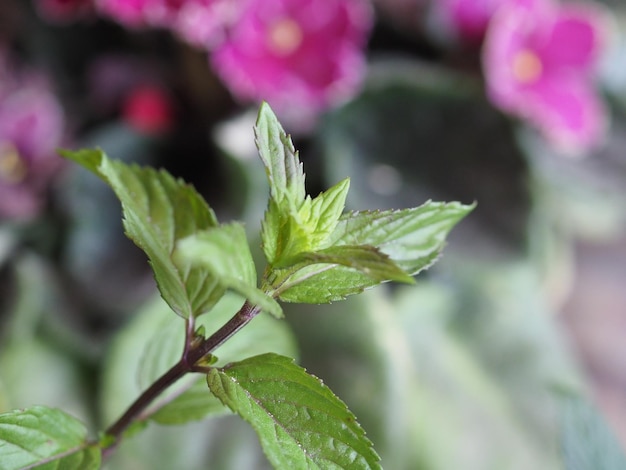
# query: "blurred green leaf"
x,y
45,438
586,439
413,135
153,342
299,421
494,356
158,211
34,372
224,252
192,405
4,399
224,443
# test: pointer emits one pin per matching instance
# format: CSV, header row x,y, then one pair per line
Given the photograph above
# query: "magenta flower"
x,y
539,61
130,13
300,55
203,23
31,128
64,10
466,19
149,110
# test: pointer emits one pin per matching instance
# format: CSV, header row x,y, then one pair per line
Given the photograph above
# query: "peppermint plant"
x,y
315,253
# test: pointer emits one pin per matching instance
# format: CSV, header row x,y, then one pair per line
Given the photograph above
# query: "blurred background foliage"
x,y
508,354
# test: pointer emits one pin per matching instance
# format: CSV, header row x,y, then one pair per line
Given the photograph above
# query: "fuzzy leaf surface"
x,y
224,252
301,424
363,258
158,211
46,439
281,234
320,216
283,168
294,223
411,238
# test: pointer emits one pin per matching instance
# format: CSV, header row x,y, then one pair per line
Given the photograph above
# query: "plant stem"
x,y
191,355
245,314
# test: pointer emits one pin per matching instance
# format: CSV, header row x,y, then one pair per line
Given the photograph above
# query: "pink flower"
x,y
300,55
199,22
466,19
63,10
149,110
31,128
539,60
130,13
203,23
162,12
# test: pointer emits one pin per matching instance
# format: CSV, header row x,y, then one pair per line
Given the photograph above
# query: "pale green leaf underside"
x,y
301,424
411,238
224,252
46,439
324,283
366,259
158,211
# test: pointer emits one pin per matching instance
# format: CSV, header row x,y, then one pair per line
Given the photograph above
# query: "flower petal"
x,y
575,39
567,111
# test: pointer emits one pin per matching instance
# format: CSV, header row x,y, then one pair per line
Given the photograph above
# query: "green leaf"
x,y
45,438
158,211
293,222
281,234
301,424
366,259
337,272
587,441
224,252
324,283
320,216
280,158
412,239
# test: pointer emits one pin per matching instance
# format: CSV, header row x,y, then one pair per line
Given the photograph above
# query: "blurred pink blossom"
x,y
302,56
148,109
203,23
466,19
31,128
64,10
539,61
199,22
130,13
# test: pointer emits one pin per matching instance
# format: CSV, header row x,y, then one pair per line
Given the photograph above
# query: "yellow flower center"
x,y
12,167
527,67
284,36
